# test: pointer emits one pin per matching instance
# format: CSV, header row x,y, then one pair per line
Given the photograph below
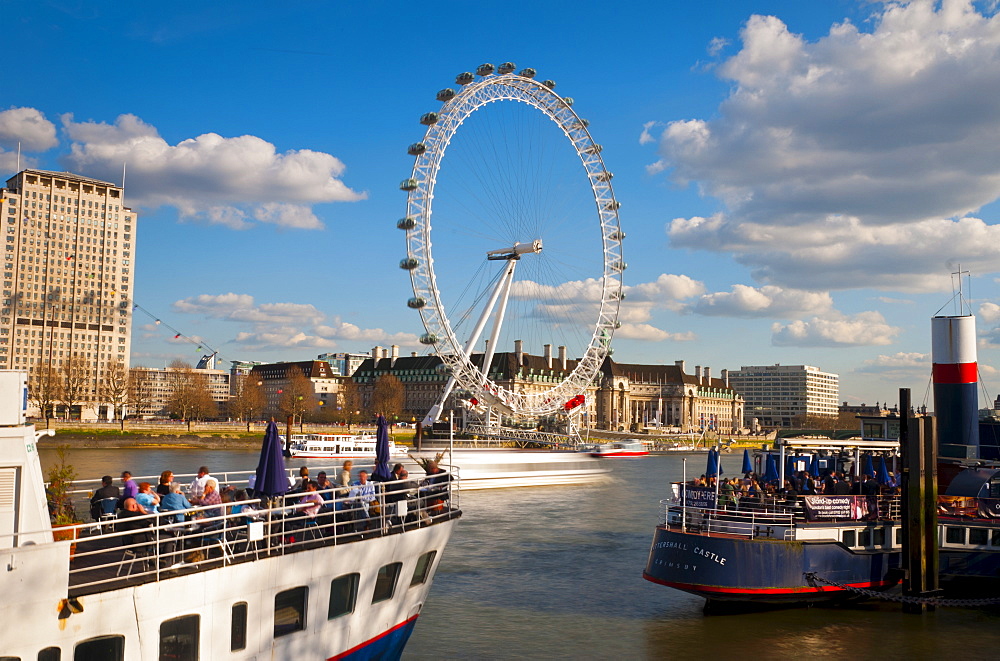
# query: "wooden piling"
x,y
918,446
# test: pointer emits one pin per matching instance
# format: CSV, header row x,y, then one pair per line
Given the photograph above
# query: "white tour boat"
x,y
627,448
339,446
261,584
490,468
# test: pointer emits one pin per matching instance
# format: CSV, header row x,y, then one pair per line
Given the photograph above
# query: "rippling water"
x,y
556,572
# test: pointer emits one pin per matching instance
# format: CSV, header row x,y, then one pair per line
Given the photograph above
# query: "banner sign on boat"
x,y
825,508
703,497
970,506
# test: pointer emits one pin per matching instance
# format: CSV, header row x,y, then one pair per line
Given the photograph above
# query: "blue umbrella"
x,y
771,472
713,464
382,472
789,466
869,467
814,466
272,479
747,464
883,472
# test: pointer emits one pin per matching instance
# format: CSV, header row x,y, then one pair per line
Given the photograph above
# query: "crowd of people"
x,y
751,491
352,503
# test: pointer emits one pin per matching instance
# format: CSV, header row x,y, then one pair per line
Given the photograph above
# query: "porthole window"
x,y
423,568
385,582
103,648
238,629
290,611
179,639
343,595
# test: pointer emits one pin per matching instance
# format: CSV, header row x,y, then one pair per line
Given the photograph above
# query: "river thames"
x,y
556,572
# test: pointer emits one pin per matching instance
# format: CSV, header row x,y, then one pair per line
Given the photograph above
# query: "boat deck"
x,y
128,551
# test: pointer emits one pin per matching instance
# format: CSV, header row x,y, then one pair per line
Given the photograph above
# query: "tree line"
x,y
60,391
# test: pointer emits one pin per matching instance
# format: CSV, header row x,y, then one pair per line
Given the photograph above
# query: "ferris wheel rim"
x,y
475,94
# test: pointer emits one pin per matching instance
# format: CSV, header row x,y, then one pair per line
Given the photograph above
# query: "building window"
x,y
385,583
103,648
424,564
179,639
238,630
343,595
290,611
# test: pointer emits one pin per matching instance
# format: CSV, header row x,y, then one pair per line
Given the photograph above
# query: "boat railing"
x,y
129,549
709,520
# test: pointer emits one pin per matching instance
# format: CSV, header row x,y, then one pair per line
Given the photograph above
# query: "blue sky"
x,y
797,179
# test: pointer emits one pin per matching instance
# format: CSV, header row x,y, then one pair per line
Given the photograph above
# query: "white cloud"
x,y
767,301
285,325
989,312
27,126
837,165
651,334
897,361
835,330
229,181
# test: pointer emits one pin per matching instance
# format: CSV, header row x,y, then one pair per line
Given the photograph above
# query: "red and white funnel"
x,y
956,374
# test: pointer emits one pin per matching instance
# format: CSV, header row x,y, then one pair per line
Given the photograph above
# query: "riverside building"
x,y
783,395
67,277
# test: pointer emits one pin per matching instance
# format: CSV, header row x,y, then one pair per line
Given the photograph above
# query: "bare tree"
x,y
192,397
43,389
388,396
297,397
114,388
248,399
76,375
140,391
349,403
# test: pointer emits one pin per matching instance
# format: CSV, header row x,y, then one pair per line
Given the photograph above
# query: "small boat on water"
x,y
489,468
628,448
339,446
267,583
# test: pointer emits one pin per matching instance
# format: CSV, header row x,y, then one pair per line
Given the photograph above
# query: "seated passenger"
x,y
312,499
210,497
107,490
175,502
361,497
146,497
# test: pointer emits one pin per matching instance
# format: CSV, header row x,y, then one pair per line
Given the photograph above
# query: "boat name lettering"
x,y
708,554
671,545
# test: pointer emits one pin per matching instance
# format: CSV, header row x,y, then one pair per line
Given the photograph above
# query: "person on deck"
x,y
325,487
163,488
175,502
149,500
361,496
197,487
313,500
129,487
107,490
210,496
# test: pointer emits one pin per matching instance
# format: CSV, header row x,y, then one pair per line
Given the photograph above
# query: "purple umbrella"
x,y
382,472
272,479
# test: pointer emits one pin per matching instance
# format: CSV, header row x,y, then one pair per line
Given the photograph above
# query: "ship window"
x,y
423,568
102,648
850,538
978,536
238,630
343,595
50,654
865,538
995,538
385,583
954,535
179,639
10,658
899,536
879,536
290,611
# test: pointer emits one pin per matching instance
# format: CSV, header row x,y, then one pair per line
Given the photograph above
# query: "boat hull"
x,y
602,455
767,571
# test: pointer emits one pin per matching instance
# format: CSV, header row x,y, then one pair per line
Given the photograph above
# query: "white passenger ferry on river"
x,y
339,446
255,584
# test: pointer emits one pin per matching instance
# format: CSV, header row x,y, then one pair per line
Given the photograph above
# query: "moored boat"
x,y
339,446
225,582
489,468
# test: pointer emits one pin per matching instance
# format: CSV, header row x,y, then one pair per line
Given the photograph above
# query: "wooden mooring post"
x,y
918,446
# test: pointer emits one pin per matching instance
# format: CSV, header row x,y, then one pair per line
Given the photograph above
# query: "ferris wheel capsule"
x,y
428,338
506,68
617,235
613,205
429,118
408,263
464,78
416,149
484,69
445,95
408,185
416,302
604,176
406,223
568,100
551,84
527,73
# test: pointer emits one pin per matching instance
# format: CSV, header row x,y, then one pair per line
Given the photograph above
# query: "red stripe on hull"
x,y
707,590
955,373
365,644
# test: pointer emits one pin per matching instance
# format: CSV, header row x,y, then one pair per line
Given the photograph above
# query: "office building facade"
x,y
785,395
68,275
